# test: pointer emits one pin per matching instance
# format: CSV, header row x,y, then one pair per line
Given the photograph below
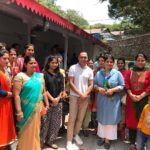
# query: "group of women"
x,y
33,93
24,88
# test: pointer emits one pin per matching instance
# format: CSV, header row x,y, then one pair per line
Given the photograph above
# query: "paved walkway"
x,y
90,143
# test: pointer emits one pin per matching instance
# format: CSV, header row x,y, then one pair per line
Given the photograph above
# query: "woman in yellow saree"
x,y
28,89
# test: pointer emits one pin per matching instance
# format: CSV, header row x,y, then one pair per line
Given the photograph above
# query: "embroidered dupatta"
x,y
30,100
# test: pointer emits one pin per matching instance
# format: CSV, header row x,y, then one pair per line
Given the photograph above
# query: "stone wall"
x,y
130,47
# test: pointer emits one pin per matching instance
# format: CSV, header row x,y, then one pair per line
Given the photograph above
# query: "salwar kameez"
x,y
137,82
108,107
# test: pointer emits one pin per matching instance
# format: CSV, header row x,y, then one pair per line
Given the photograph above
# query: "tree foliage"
x,y
76,18
71,15
135,11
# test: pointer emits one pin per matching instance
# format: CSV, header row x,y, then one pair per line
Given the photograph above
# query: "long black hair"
x,y
48,60
26,60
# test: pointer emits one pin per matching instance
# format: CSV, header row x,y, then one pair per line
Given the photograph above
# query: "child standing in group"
x,y
143,134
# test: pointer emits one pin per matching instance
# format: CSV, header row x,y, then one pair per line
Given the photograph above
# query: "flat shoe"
x,y
54,146
132,147
107,145
100,142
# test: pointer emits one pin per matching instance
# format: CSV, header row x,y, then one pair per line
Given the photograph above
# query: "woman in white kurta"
x,y
108,82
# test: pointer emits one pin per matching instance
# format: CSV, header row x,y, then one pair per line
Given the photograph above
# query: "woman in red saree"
x,y
137,83
7,126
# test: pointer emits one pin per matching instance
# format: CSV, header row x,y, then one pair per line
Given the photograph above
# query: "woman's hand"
x,y
133,97
9,94
109,92
102,91
55,101
20,116
138,97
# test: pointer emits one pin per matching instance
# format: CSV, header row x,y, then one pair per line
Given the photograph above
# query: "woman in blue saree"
x,y
28,94
108,82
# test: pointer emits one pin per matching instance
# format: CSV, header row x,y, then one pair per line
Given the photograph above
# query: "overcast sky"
x,y
92,10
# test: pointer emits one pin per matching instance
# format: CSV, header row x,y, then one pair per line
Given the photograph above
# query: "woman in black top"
x,y
55,86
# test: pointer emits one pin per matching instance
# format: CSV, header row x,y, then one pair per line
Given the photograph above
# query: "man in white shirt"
x,y
81,84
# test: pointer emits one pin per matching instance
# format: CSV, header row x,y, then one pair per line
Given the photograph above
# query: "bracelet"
x,y
19,114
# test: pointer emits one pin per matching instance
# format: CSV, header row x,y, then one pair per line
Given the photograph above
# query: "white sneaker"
x,y
71,146
78,140
75,147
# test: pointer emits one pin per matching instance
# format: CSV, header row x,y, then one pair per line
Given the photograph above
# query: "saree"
x,y
7,125
29,128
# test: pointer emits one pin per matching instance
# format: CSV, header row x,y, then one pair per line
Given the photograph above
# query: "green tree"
x,y
71,15
76,18
51,5
133,11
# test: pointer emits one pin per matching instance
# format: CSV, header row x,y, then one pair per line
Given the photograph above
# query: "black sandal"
x,y
133,147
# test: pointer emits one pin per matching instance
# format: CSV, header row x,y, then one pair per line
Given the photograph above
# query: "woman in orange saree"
x,y
7,126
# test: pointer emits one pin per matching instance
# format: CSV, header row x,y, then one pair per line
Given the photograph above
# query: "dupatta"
x,y
30,96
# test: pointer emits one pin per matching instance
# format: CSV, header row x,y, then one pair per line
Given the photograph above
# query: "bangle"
x,y
19,114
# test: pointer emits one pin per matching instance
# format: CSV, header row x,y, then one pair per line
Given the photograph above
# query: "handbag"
x,y
123,98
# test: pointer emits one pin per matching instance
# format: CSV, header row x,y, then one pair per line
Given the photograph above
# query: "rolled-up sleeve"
x,y
96,80
121,81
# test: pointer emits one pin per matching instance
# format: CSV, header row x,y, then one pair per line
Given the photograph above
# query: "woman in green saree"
x,y
28,94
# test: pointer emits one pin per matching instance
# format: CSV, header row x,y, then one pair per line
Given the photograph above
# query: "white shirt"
x,y
81,78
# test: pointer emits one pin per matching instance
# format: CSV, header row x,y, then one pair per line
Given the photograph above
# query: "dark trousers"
x,y
132,135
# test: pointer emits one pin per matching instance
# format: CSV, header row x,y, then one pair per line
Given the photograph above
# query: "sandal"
x,y
133,147
107,145
100,142
53,146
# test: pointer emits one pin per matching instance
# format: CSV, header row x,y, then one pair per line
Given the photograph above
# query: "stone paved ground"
x,y
90,143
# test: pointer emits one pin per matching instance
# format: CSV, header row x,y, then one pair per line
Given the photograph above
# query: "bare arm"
x,y
45,94
113,90
142,95
17,85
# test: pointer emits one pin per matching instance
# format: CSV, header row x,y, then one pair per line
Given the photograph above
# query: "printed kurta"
x,y
137,83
